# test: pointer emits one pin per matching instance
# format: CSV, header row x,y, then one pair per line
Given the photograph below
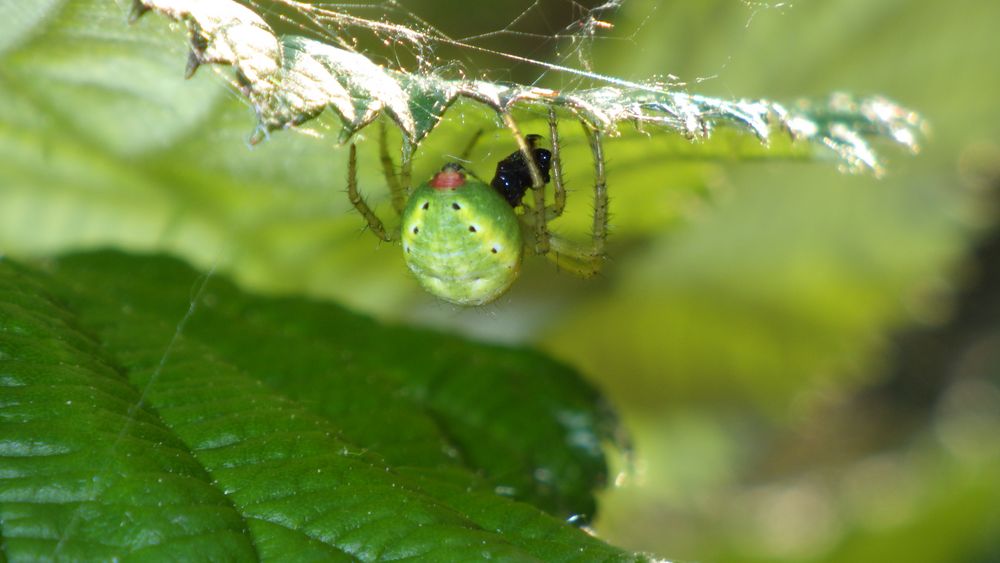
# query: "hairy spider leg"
x,y
599,236
374,223
556,209
537,187
464,157
399,182
399,187
586,262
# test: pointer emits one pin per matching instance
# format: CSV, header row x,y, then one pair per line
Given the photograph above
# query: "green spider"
x,y
463,239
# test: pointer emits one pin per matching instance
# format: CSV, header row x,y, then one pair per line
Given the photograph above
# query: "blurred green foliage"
x,y
749,324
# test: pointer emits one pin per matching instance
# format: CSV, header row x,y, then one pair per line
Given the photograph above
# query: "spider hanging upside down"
x,y
463,239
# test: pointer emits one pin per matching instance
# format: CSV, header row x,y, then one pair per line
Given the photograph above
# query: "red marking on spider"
x,y
447,179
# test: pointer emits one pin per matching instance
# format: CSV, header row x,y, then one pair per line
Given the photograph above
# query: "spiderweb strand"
x,y
97,485
291,79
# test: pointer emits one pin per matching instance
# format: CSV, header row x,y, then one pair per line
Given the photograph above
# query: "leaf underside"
x,y
151,411
291,79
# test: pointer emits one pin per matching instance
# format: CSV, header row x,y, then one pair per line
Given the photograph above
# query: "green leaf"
x,y
152,411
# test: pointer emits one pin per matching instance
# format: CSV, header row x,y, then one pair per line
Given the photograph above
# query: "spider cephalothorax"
x,y
463,240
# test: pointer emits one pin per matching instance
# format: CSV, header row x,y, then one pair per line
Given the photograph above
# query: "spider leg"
x,y
572,258
406,173
599,236
586,261
467,152
556,209
464,157
374,223
538,187
397,186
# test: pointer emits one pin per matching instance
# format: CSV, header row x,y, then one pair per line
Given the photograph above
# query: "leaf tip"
x,y
193,63
137,10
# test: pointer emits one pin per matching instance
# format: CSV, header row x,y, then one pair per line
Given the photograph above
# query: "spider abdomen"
x,y
461,239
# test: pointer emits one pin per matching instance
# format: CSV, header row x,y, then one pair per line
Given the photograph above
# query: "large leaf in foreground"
x,y
152,411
